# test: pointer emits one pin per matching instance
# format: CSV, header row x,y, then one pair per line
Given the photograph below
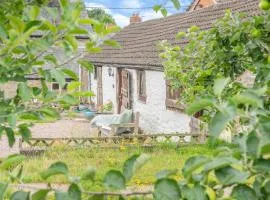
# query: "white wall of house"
x,y
109,87
154,117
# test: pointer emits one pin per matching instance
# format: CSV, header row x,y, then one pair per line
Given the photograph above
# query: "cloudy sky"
x,y
143,7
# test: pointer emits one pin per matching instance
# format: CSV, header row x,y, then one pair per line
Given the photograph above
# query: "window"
x,y
95,73
141,84
56,87
172,98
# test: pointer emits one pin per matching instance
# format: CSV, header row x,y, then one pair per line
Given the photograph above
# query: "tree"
x,y
101,16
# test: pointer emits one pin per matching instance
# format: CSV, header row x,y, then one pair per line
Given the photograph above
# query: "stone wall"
x,y
10,88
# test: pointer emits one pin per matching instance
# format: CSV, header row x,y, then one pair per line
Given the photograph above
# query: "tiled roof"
x,y
139,41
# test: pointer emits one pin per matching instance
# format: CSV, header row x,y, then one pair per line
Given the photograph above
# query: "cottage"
x,y
132,77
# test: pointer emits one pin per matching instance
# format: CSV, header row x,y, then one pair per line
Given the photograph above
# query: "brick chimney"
x,y
135,18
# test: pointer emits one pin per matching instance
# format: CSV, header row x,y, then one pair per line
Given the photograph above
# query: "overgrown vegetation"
x,y
238,43
104,159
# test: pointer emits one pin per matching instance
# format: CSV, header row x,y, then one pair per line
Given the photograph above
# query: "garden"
x,y
209,65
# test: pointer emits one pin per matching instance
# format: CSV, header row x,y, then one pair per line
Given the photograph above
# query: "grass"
x,y
78,160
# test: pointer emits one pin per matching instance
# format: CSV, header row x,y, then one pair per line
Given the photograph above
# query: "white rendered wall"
x,y
154,117
109,86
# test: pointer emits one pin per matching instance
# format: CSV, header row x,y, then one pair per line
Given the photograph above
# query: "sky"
x,y
143,7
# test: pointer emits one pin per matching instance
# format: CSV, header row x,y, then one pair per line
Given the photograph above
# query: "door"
x,y
124,81
99,88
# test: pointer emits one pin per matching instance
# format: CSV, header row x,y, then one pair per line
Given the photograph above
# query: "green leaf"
x,y
114,180
249,98
12,162
221,119
40,195
194,163
12,119
59,195
91,48
166,173
267,187
86,64
70,74
16,23
219,162
219,85
69,99
63,3
112,43
34,12
72,41
89,174
50,112
176,4
32,26
51,58
73,86
3,188
20,195
199,105
74,192
243,192
24,91
58,168
194,193
31,116
252,145
166,189
11,136
3,34
164,12
133,164
156,8
229,176
59,76
262,165
24,132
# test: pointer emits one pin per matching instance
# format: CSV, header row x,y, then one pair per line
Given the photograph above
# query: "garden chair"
x,y
117,124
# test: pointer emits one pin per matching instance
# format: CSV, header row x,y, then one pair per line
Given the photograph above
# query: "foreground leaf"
x,y
243,192
199,105
3,188
133,164
166,189
74,192
12,162
194,193
219,85
40,195
58,168
193,164
20,195
229,176
114,180
166,173
221,119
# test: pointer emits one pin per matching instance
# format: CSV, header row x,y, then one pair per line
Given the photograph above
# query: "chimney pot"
x,y
135,18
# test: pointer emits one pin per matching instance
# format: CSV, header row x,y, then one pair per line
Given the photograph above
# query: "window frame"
x,y
172,100
141,77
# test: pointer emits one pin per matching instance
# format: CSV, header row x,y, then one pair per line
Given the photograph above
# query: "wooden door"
x,y
124,100
99,87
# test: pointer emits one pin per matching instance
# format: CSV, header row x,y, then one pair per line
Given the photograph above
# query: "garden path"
x,y
64,128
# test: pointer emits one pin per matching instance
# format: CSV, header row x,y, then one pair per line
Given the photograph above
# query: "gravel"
x,y
64,128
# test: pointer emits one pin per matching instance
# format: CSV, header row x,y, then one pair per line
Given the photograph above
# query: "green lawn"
x,y
78,160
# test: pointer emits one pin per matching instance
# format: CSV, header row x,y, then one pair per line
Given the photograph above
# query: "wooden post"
x,y
137,120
